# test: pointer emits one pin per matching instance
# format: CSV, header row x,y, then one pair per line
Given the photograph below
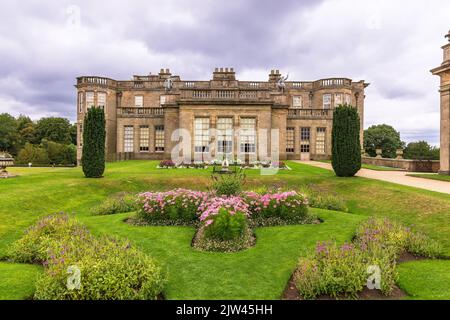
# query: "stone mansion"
x,y
143,114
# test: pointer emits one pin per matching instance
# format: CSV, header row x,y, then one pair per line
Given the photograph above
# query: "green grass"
x,y
426,279
260,272
17,280
433,176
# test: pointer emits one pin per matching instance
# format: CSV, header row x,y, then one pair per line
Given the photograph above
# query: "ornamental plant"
x,y
232,204
337,270
166,164
284,205
345,143
93,157
178,205
226,225
109,268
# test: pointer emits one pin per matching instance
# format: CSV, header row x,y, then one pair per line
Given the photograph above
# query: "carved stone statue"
x,y
281,85
168,84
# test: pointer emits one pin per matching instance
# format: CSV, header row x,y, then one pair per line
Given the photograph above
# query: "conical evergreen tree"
x,y
346,147
93,157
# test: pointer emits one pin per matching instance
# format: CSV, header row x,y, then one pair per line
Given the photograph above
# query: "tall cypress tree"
x,y
346,147
93,157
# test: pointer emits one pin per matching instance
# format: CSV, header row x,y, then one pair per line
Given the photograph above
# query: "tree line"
x,y
47,141
388,139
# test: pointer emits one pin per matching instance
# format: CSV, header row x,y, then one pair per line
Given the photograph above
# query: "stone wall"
x,y
405,164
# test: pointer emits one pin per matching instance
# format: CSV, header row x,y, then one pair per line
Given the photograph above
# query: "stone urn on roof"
x,y
6,160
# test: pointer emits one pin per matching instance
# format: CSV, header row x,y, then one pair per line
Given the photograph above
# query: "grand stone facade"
x,y
443,71
143,114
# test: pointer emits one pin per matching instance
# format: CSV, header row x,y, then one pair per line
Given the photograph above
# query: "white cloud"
x,y
45,45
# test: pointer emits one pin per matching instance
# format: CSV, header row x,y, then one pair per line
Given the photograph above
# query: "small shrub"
x,y
284,205
392,234
179,206
47,233
227,184
343,270
110,268
213,205
224,231
127,203
225,225
166,164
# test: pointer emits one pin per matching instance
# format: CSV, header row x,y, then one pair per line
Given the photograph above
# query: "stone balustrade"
x,y
310,113
411,165
124,112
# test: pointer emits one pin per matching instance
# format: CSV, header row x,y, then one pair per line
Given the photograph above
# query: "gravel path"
x,y
399,177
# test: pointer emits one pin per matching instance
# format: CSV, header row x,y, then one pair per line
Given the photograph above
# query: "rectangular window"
x,y
162,100
81,134
320,140
327,101
338,99
101,100
201,135
304,139
128,139
290,140
224,135
297,102
348,98
80,102
248,135
159,138
138,101
144,137
89,99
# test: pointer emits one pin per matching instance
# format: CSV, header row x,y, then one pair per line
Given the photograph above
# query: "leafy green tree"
x,y
73,133
34,154
9,135
93,157
54,129
60,154
421,150
382,136
346,147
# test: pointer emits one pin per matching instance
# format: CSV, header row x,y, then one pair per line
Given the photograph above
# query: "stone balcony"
x,y
140,112
310,114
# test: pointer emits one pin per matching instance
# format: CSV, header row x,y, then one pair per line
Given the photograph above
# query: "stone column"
x,y
443,71
171,123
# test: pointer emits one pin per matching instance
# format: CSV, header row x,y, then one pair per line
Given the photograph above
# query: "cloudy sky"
x,y
45,45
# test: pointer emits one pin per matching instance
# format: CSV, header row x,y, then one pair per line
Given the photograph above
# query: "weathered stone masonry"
x,y
142,114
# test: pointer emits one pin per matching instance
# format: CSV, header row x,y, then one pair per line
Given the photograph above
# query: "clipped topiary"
x,y
93,157
346,147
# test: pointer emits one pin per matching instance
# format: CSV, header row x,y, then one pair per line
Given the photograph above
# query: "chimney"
x,y
274,75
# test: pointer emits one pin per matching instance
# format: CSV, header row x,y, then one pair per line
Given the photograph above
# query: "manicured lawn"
x,y
427,279
433,176
17,280
260,272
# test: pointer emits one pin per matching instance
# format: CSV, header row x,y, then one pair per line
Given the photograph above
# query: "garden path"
x,y
399,177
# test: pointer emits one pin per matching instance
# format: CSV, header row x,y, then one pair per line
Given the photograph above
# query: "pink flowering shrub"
x,y
180,205
285,205
225,225
232,204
